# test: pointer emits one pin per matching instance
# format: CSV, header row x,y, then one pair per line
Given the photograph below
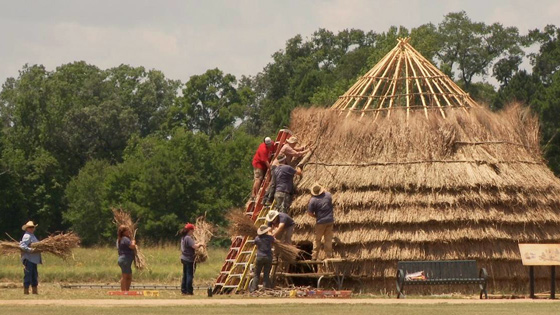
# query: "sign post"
x,y
541,255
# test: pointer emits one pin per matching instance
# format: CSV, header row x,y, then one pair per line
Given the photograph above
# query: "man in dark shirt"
x,y
284,179
321,208
282,226
264,242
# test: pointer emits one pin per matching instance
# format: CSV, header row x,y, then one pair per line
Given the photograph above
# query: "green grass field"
x,y
100,265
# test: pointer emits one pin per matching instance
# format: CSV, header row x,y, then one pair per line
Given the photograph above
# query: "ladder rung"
x,y
246,252
230,260
230,286
249,241
225,272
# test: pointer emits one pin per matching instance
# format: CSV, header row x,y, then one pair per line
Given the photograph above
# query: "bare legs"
x,y
256,185
126,280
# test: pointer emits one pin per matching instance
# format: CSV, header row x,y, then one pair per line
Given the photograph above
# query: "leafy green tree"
x,y
546,61
210,103
473,46
88,213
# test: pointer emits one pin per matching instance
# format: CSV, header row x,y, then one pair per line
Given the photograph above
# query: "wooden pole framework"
x,y
403,79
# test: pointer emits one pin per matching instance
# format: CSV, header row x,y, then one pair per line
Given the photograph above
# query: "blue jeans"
x,y
30,274
188,275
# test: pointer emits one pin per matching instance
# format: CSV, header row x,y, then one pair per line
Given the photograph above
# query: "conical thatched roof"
x,y
460,182
406,80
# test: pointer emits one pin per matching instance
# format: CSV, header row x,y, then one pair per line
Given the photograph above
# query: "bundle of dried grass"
x,y
121,217
240,224
202,234
9,248
288,253
60,245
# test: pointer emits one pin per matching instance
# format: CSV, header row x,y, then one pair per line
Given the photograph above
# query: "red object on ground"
x,y
131,293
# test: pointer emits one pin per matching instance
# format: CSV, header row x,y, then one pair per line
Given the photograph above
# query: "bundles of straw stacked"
x,y
121,217
60,245
240,224
202,235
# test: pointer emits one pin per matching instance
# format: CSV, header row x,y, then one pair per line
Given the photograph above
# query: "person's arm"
x,y
311,209
278,229
25,243
194,245
130,243
299,170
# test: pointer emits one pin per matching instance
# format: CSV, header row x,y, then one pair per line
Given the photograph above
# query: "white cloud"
x,y
183,38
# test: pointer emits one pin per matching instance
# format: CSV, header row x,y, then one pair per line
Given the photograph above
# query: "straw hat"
x,y
263,229
271,215
28,225
317,189
292,140
281,157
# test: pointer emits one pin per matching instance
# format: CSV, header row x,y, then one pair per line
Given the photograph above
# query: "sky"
x,y
183,37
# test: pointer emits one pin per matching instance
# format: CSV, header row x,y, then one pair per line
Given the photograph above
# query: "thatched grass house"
x,y
419,171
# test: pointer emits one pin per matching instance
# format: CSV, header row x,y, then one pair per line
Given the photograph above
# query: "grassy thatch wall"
x,y
470,186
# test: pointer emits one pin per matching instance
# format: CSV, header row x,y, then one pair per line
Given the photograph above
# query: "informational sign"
x,y
540,254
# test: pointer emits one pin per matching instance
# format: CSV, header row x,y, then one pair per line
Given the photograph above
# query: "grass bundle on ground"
x,y
60,245
240,224
288,253
202,234
121,217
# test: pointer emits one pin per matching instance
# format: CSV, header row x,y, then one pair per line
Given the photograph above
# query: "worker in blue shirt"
x,y
30,258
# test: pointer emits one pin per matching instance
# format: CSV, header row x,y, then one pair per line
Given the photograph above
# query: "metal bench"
x,y
441,272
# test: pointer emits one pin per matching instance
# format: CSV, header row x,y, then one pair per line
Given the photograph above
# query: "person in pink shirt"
x,y
261,163
291,152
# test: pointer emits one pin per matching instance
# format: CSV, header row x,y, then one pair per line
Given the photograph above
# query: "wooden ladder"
x,y
234,275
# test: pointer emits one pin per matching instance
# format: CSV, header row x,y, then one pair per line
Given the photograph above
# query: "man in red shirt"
x,y
261,163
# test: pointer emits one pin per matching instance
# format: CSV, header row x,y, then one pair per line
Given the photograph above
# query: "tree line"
x,y
79,140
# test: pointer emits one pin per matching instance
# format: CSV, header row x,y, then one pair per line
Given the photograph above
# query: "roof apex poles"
x,y
403,79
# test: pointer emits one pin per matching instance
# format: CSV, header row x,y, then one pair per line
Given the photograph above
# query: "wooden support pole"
x,y
553,282
532,282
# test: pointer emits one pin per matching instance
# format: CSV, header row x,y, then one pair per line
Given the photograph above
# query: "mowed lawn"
x,y
408,309
99,265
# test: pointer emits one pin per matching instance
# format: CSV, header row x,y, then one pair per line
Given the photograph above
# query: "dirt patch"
x,y
251,301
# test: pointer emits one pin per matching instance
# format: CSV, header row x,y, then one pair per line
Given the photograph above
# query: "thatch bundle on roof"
x,y
440,182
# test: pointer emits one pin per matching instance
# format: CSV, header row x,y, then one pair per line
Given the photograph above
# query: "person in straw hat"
x,y
282,226
263,263
290,150
284,182
188,247
30,258
321,208
125,248
261,163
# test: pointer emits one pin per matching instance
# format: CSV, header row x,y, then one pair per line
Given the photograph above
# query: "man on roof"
x,y
282,226
321,208
291,152
284,182
261,163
